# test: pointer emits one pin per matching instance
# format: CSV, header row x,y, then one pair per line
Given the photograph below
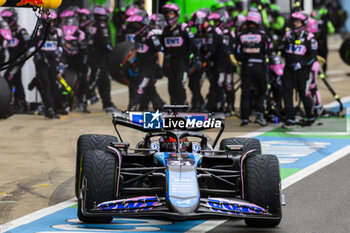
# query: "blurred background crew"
x,y
126,33
225,82
157,24
19,40
197,73
252,49
217,54
5,36
150,57
325,28
178,43
300,50
48,66
100,53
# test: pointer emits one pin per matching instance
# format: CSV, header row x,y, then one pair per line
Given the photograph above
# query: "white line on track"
x,y
335,103
315,167
338,79
320,133
334,72
206,226
209,224
6,195
37,215
293,178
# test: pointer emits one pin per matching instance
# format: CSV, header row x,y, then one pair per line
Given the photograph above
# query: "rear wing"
x,y
161,121
152,122
47,4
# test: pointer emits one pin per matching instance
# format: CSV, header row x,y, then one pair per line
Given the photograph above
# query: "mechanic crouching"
x,y
252,49
300,50
150,57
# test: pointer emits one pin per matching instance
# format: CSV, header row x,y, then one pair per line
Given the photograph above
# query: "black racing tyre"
x,y
248,144
99,171
119,53
71,77
5,98
85,143
345,51
262,187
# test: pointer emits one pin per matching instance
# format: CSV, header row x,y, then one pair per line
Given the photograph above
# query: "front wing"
x,y
153,206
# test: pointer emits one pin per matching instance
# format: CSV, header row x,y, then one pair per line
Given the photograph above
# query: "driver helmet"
x,y
169,144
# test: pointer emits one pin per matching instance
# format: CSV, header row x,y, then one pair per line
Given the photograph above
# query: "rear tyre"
x,y
85,143
262,187
5,98
99,171
248,144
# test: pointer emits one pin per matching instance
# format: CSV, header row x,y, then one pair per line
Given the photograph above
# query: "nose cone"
x,y
182,189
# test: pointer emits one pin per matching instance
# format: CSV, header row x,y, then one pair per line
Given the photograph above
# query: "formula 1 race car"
x,y
174,172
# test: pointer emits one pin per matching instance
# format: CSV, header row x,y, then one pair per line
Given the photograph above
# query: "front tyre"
x,y
262,187
85,143
99,172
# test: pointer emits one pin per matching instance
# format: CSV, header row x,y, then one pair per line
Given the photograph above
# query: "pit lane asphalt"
x,y
38,158
319,203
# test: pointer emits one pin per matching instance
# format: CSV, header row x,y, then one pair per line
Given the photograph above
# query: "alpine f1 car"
x,y
175,172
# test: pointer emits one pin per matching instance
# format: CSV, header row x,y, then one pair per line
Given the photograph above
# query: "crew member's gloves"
x,y
234,60
321,60
296,66
60,68
198,63
10,77
109,48
38,56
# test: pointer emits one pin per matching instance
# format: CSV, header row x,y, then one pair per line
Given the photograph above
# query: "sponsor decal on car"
x,y
154,120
